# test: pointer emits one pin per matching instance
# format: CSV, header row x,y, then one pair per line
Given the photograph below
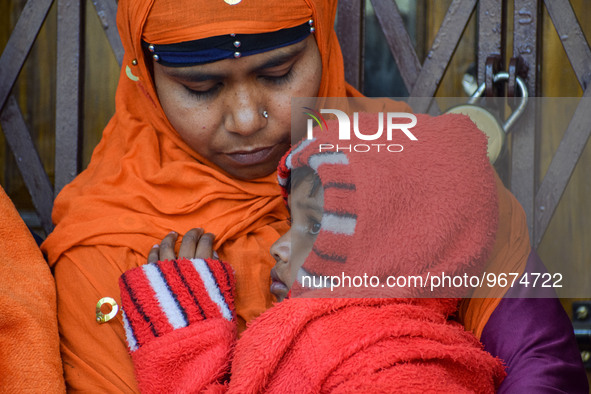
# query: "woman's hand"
x,y
195,245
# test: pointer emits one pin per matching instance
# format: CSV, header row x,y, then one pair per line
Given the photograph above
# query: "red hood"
x,y
428,209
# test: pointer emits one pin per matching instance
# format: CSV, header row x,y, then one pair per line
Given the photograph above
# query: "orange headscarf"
x,y
144,181
509,255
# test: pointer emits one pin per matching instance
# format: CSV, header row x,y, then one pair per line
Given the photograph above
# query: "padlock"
x,y
487,122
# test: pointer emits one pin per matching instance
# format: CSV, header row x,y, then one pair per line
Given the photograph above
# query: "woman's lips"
x,y
254,156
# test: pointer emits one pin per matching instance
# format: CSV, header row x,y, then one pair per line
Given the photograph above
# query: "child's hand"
x,y
171,293
195,245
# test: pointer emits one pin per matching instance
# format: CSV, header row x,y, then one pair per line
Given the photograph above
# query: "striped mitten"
x,y
160,297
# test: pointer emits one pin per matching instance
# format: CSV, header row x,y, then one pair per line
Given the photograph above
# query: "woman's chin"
x,y
249,166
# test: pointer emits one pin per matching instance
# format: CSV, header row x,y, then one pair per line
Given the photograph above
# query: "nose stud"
x,y
265,114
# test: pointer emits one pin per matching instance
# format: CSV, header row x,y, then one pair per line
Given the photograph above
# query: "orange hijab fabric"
x,y
30,359
143,181
509,255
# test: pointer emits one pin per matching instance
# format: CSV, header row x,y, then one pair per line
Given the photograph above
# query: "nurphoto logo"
x,y
393,125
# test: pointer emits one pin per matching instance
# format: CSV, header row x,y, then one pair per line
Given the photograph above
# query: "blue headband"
x,y
212,49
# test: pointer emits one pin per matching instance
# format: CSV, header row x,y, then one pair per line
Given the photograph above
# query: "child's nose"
x,y
281,249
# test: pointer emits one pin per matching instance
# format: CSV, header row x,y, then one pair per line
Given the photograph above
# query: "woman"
x,y
202,118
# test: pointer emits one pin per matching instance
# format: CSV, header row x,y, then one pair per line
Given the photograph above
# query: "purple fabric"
x,y
535,338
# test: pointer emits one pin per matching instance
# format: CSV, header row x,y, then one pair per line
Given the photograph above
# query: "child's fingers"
x,y
154,254
189,243
205,247
167,247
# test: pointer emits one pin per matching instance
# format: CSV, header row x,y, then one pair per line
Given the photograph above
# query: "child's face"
x,y
306,202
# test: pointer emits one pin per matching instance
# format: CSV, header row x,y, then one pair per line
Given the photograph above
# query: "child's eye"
x,y
315,227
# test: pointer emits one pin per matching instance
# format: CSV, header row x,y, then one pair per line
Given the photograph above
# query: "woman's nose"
x,y
281,249
245,114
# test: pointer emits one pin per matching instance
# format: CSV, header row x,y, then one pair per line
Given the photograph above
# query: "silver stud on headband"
x,y
312,30
156,57
237,44
233,35
311,22
237,55
151,48
265,114
134,62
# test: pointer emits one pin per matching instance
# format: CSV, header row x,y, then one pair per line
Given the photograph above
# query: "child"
x,y
363,213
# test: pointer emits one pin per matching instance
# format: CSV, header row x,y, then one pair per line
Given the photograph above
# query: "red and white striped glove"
x,y
160,297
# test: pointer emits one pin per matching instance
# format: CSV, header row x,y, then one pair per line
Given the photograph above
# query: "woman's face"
x,y
217,108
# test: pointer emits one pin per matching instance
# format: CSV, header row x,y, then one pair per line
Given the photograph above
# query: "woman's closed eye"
x,y
278,77
204,93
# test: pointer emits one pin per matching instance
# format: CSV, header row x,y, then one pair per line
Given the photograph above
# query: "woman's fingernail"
x,y
156,246
172,232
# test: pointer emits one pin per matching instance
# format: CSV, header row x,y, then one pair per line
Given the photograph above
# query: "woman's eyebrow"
x,y
281,58
192,75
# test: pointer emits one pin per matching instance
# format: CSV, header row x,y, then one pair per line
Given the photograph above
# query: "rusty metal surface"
x,y
28,161
491,33
517,68
350,19
69,91
572,38
441,51
20,42
107,12
492,66
525,144
577,134
398,40
561,168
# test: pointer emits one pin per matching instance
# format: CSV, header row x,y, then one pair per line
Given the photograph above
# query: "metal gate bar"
x,y
69,76
524,156
107,13
398,40
491,33
20,42
27,159
441,51
350,20
577,134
